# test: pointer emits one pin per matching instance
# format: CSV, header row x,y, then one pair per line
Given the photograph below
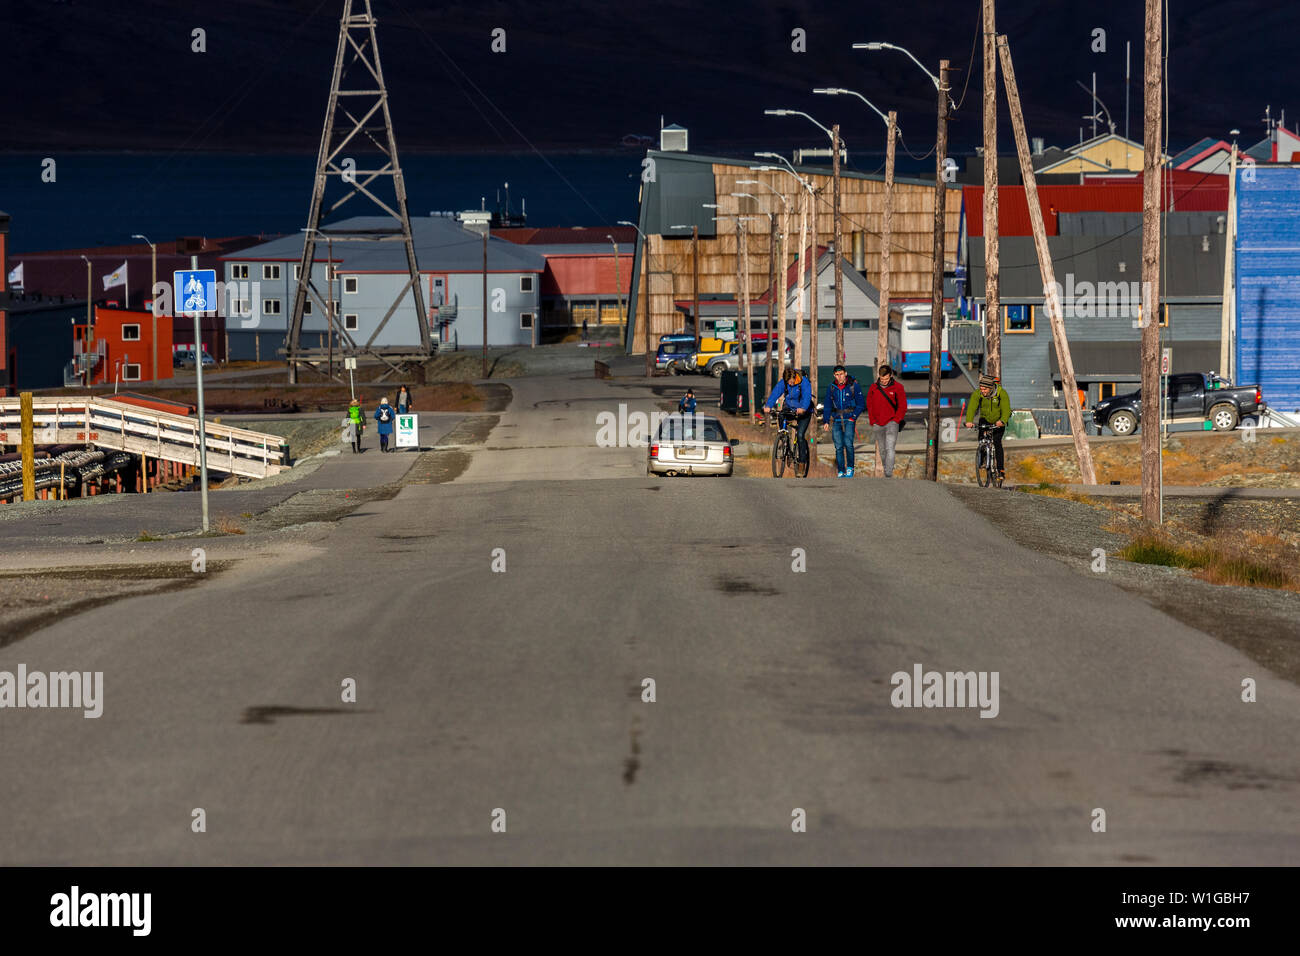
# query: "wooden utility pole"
x,y
835,227
293,368
26,428
771,300
1046,270
886,241
743,250
695,282
798,302
1152,81
815,324
992,302
936,284
784,294
645,270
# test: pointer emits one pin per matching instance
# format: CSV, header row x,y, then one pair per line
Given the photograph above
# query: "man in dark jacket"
x,y
687,404
886,408
844,403
796,391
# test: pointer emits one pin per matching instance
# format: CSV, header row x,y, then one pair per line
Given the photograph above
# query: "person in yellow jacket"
x,y
358,423
990,405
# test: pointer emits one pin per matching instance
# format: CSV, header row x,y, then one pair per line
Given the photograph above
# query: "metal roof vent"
x,y
1038,145
673,139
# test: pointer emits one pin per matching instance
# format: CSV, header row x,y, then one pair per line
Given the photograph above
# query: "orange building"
x,y
124,341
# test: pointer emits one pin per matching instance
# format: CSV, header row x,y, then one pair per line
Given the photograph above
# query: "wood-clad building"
x,y
676,186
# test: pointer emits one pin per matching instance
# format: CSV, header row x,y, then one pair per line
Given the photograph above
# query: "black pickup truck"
x,y
1191,396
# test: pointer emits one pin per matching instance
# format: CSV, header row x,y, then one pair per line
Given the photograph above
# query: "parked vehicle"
x,y
1191,396
912,351
673,349
690,445
733,359
184,358
710,348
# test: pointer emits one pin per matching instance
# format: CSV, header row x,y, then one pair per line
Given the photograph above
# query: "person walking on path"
x,y
844,403
886,407
403,400
687,404
384,415
358,422
990,405
584,330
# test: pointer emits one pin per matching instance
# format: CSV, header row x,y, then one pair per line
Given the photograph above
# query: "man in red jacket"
x,y
886,406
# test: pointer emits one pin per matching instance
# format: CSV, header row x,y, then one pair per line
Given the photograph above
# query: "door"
x,y
1185,396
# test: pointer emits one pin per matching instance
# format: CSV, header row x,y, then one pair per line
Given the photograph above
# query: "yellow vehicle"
x,y
709,350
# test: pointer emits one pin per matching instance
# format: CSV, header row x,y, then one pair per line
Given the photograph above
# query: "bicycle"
x,y
986,458
784,450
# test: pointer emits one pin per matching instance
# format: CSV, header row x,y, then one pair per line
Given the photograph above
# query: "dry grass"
x,y
226,526
1249,560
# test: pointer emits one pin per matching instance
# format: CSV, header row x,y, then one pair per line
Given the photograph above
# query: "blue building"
x,y
260,283
1267,274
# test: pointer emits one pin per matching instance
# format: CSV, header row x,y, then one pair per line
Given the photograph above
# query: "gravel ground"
x,y
1262,623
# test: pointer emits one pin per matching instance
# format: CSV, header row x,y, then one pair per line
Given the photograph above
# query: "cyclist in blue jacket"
x,y
798,401
844,403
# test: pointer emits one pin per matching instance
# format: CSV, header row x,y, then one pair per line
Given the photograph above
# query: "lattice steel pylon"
x,y
352,125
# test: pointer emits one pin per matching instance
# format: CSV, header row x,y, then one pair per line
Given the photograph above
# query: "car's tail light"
x,y
726,451
654,451
1259,396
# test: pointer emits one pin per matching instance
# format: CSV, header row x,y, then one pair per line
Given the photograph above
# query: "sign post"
x,y
196,292
350,363
408,431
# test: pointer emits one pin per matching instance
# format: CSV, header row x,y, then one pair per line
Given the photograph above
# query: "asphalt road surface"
x,y
515,696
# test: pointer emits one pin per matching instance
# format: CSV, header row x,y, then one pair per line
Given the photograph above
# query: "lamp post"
x,y
645,262
329,295
775,241
153,298
89,340
836,145
803,245
742,301
936,307
618,279
886,233
695,279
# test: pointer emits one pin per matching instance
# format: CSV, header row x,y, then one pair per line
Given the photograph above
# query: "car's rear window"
x,y
691,428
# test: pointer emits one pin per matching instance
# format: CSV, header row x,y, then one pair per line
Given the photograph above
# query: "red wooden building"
x,y
124,342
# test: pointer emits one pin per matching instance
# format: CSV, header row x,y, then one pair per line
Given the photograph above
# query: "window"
x,y
131,372
306,307
1019,318
297,271
241,307
131,333
525,283
350,285
270,306
270,271
239,272
1105,390
525,320
350,322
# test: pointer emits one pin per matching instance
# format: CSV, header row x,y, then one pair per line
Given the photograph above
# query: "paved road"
x,y
521,690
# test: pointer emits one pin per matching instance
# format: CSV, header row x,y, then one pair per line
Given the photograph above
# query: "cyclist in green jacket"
x,y
992,406
358,423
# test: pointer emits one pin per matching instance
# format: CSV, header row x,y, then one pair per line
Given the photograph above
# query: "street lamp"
x,y
785,167
742,301
89,339
645,255
153,297
836,254
329,293
618,281
936,307
695,279
886,238
777,238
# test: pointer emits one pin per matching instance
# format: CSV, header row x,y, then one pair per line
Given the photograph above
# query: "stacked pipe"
x,y
73,467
